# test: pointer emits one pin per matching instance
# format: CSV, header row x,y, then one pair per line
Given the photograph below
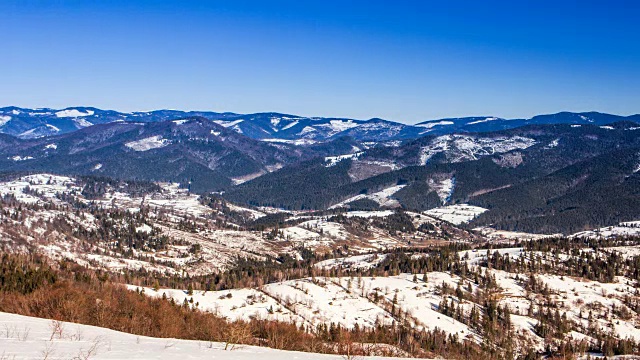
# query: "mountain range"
x,y
33,123
565,172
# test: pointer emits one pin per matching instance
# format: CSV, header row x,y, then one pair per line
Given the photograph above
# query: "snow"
x,y
630,228
289,126
307,130
333,160
483,120
337,126
476,256
294,142
456,214
369,214
254,214
345,301
444,188
607,127
576,126
21,158
242,179
553,144
45,184
580,295
382,197
180,122
359,262
144,228
73,113
458,148
149,143
237,129
30,337
497,235
97,167
51,146
227,124
430,125
4,119
82,123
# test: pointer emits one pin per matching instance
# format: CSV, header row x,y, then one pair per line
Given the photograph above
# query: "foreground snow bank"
x,y
24,337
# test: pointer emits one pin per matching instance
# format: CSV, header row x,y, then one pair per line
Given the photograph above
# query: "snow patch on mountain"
x,y
289,126
21,158
82,123
226,123
483,120
73,113
51,147
456,214
337,126
458,148
383,197
333,160
629,228
294,142
4,119
237,129
444,188
40,131
307,130
274,122
430,125
356,262
152,142
553,144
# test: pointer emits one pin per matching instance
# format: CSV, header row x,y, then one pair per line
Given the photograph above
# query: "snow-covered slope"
x,y
459,148
32,338
456,214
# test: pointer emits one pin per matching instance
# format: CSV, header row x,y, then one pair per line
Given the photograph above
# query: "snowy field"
x,y
357,262
630,228
456,214
347,301
365,300
504,235
383,197
32,338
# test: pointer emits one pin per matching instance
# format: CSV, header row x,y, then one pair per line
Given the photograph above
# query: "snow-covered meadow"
x,y
24,337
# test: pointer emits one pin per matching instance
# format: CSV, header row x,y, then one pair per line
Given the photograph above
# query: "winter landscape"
x,y
319,180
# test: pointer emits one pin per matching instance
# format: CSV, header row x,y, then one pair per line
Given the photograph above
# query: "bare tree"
x,y
239,333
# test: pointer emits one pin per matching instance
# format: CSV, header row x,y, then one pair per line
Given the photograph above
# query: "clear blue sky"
x,y
401,60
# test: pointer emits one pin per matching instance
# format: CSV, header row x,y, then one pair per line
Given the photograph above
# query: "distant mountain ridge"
x,y
270,126
556,177
195,150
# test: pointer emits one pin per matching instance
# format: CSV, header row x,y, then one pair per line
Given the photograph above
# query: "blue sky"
x,y
401,60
